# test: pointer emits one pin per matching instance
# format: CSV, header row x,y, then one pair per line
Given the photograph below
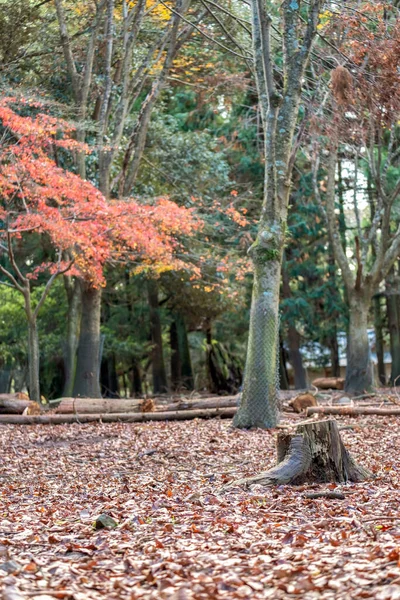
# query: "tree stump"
x,y
314,453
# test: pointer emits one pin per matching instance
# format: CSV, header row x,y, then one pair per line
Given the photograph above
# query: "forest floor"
x,y
178,536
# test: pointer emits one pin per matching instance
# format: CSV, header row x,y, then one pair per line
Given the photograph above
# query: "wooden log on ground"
x,y
352,411
12,404
126,405
52,419
314,453
98,405
329,383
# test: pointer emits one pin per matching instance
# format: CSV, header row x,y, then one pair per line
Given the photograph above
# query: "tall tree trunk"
x,y
136,380
5,379
279,110
300,378
74,297
293,337
109,378
186,361
334,348
160,385
259,406
87,379
359,372
283,374
175,357
181,364
394,331
33,361
378,324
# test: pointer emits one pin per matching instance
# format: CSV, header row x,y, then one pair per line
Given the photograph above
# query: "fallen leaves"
x,y
175,535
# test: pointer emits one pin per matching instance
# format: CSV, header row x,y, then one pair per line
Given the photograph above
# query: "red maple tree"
x,y
43,203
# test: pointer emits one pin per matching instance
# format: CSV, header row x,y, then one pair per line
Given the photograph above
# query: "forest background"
x,y
161,101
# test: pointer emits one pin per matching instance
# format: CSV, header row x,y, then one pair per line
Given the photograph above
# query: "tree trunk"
x,y
160,385
74,296
359,373
259,406
87,379
378,324
175,357
334,348
283,374
5,379
33,361
300,378
293,337
184,351
314,453
136,380
181,364
394,331
109,378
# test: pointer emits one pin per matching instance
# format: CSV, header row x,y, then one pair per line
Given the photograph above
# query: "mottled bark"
x,y
87,379
258,407
279,111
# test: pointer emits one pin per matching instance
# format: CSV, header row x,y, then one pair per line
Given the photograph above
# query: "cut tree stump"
x,y
314,453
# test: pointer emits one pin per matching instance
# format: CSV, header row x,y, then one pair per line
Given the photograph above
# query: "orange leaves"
x,y
40,198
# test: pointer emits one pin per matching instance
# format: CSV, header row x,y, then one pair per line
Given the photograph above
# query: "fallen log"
x,y
329,383
53,419
126,405
313,453
11,404
352,411
98,405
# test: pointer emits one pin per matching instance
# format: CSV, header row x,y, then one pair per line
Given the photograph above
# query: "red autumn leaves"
x,y
38,197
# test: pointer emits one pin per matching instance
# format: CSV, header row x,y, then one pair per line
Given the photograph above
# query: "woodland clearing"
x,y
178,535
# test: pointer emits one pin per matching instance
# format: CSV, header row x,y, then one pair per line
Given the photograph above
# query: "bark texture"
x,y
181,415
73,290
33,362
87,379
125,405
11,404
259,406
352,411
359,371
314,453
279,112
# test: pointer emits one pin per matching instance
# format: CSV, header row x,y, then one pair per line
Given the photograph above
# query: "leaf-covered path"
x,y
178,536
